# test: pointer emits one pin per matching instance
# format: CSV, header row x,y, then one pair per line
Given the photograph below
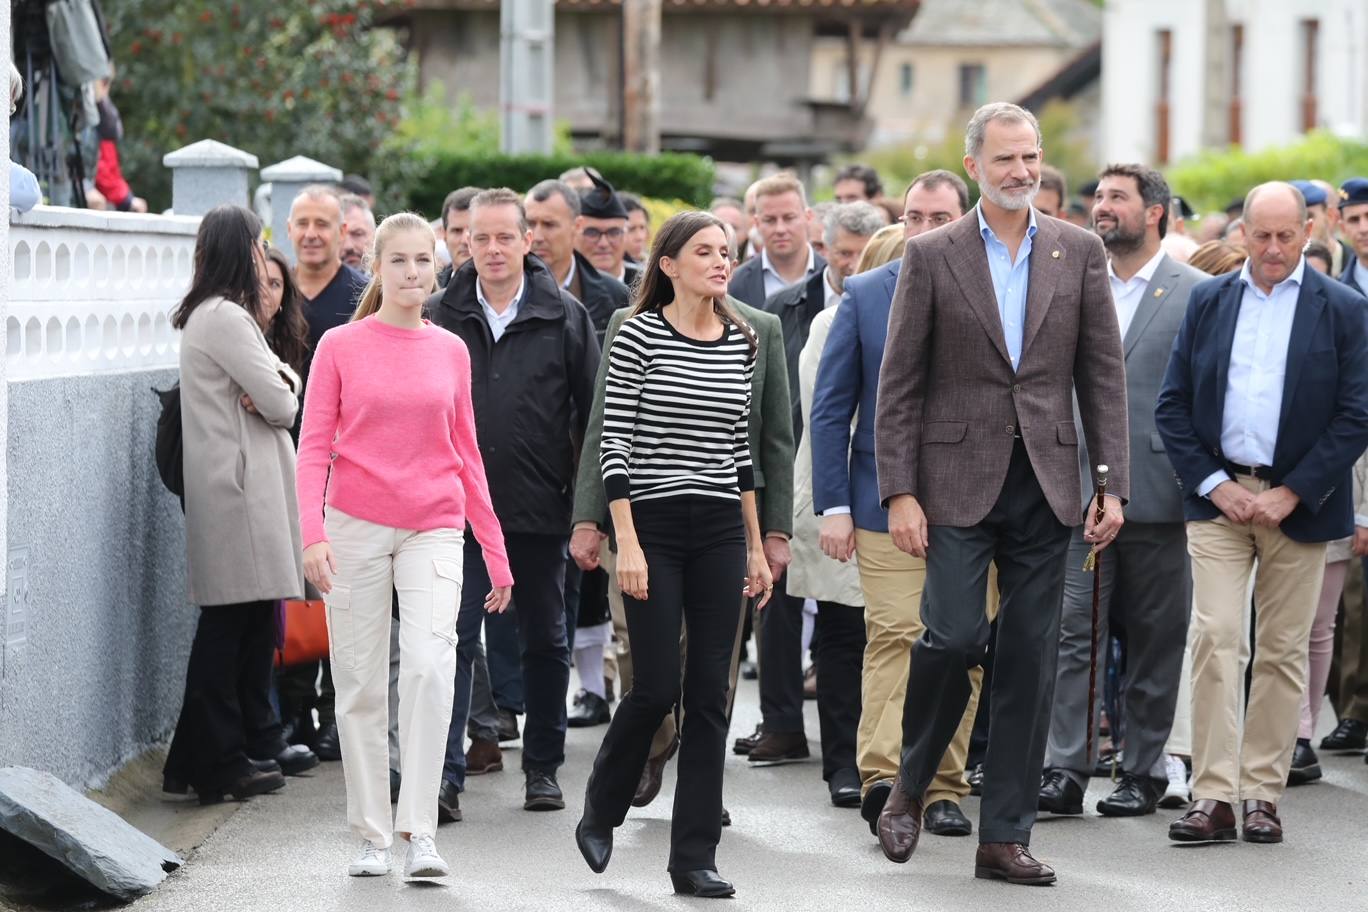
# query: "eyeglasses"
x,y
612,234
916,219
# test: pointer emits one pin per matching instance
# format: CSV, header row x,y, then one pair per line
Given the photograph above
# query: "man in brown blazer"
x,y
997,319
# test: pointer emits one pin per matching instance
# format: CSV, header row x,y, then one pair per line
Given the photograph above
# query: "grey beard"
x,y
1010,202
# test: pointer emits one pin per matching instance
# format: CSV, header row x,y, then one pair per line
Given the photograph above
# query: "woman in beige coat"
x,y
238,402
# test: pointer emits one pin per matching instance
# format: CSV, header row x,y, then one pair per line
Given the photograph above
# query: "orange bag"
x,y
306,633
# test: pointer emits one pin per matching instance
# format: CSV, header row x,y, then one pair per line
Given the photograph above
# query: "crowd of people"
x,y
868,432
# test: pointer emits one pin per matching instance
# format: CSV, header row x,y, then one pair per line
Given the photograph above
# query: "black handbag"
x,y
169,450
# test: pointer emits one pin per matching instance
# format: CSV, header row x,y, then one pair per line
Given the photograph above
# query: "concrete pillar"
x,y
287,178
208,174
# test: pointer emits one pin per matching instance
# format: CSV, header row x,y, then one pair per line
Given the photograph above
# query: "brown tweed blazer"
x,y
949,403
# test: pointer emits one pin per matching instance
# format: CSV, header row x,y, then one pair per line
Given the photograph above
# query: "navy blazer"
x,y
1347,277
847,377
1323,427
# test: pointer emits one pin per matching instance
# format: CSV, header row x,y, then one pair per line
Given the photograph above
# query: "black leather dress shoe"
x,y
328,744
448,803
726,817
845,788
873,804
1349,734
1134,796
653,775
542,792
589,710
1060,795
174,785
1305,764
595,841
703,884
944,818
975,779
254,783
296,759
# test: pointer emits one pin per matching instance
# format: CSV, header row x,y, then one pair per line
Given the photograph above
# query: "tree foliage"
x,y
276,78
1211,179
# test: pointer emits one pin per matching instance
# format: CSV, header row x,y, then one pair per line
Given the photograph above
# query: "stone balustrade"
x,y
92,292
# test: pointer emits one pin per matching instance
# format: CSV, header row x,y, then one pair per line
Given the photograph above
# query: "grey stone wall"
x,y
97,566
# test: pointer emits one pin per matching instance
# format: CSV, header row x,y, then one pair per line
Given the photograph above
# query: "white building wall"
x,y
1271,74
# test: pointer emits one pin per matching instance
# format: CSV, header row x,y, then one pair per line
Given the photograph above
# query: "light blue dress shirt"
x,y
1258,365
24,190
498,322
1010,279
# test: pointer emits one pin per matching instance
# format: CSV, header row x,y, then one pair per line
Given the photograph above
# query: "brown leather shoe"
x,y
1012,862
483,757
1206,820
900,824
1261,823
652,775
779,747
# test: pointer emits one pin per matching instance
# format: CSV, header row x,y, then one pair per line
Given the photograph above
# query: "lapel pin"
x,y
1055,254
1158,292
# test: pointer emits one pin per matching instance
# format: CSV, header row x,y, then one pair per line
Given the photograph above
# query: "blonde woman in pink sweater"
x,y
389,474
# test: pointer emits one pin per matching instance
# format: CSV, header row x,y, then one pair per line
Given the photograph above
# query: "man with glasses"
x,y
601,231
846,494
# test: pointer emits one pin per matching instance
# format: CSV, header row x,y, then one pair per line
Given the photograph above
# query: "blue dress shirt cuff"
x,y
1215,478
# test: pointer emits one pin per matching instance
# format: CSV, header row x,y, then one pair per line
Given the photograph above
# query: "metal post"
x,y
527,36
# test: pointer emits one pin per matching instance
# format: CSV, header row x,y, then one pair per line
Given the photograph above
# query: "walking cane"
x,y
1093,565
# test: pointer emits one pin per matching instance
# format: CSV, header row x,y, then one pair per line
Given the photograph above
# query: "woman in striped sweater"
x,y
677,470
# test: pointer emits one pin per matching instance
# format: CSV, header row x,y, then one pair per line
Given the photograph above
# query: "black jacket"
x,y
796,306
601,294
532,392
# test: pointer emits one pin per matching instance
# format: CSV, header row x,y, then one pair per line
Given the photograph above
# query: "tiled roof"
x,y
1057,23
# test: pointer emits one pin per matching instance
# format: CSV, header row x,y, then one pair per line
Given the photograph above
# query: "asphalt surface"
x,y
788,849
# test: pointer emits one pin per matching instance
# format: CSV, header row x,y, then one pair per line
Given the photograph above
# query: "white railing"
x,y
92,292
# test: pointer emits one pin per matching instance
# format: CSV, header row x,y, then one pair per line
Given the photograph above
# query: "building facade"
x,y
1182,75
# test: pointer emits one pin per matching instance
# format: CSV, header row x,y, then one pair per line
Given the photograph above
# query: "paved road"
x,y
788,850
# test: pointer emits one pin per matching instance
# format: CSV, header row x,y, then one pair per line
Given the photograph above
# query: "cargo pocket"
x,y
446,598
341,627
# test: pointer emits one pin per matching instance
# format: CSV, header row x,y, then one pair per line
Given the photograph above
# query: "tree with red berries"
x,y
276,78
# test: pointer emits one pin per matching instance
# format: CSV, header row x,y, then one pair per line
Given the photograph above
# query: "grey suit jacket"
x,y
949,401
770,426
1154,493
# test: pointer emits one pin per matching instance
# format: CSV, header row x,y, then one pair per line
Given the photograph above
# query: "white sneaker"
x,y
1178,793
371,861
423,860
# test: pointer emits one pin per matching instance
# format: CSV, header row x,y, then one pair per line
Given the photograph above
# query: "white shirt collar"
x,y
569,275
832,296
512,305
1294,279
987,230
1145,272
811,261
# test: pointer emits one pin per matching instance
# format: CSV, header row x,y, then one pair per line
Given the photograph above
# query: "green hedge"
x,y
1212,179
664,176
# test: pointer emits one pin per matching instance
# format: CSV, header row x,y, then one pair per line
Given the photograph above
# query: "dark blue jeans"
x,y
538,564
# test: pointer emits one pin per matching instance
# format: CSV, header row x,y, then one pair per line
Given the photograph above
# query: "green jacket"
x,y
771,429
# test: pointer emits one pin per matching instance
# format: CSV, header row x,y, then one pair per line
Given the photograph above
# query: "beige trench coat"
x,y
241,515
812,574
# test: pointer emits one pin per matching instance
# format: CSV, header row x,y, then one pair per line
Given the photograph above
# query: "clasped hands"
x,y
907,525
1268,508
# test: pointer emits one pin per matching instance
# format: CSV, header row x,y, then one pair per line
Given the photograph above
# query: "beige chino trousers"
x,y
426,570
1245,756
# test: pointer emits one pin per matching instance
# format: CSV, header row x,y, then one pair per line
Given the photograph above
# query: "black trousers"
x,y
695,551
839,654
781,661
538,565
1022,535
226,716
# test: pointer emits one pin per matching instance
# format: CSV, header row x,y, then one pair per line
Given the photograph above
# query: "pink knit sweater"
x,y
389,433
